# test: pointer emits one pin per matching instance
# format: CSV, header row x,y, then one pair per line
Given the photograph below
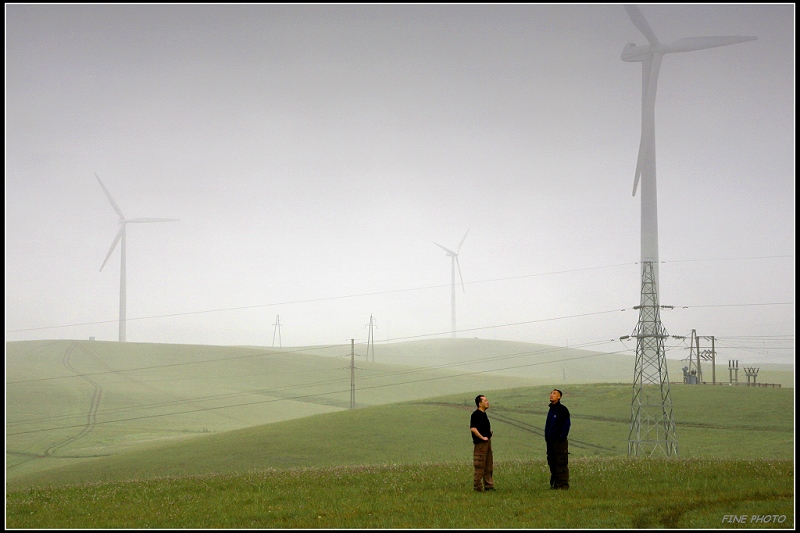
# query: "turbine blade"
x,y
701,43
459,273
637,175
641,24
110,199
140,219
113,245
449,252
462,242
648,114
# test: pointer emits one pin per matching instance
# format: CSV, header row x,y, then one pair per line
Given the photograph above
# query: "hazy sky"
x,y
315,153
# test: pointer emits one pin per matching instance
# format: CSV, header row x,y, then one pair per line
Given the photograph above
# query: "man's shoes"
x,y
489,488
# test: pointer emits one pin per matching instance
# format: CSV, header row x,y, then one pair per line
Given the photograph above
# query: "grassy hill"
x,y
539,362
73,402
712,422
408,465
109,435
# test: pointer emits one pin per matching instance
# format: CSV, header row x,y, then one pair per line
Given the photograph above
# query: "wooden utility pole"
x,y
352,373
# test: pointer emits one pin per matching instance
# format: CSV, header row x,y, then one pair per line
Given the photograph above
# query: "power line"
x,y
302,349
311,384
331,346
327,381
394,291
299,397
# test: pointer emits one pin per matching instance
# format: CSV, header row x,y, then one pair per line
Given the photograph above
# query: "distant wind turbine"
x,y
453,265
650,56
123,222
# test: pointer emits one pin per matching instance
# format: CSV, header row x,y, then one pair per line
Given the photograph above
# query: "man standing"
x,y
482,439
556,429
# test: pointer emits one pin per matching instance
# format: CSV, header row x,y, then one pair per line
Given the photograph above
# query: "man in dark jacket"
x,y
482,459
556,429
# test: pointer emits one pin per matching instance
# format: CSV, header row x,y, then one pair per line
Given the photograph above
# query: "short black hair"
x,y
560,394
478,399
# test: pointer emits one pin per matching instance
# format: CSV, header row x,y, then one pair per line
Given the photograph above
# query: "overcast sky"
x,y
315,153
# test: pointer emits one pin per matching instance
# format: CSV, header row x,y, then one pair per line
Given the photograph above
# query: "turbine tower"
x,y
453,265
120,238
652,426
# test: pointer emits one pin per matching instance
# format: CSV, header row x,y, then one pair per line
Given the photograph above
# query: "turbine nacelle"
x,y
454,256
633,52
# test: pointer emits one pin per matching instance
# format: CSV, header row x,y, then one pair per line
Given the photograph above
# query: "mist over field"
x,y
323,161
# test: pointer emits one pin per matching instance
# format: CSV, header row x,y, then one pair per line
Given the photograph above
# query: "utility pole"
x,y
352,373
277,330
694,356
652,426
710,355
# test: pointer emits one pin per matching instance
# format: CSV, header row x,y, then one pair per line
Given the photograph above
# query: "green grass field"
x,y
401,459
604,493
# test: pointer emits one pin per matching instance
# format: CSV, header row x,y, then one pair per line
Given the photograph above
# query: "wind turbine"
x,y
650,56
652,425
453,265
123,222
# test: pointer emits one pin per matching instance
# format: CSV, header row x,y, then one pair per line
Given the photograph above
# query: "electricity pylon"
x,y
371,338
277,330
652,426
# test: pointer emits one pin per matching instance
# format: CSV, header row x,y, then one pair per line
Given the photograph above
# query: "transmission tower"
x,y
371,338
652,425
277,330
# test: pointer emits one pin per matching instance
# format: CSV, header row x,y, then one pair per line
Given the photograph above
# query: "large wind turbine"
x,y
123,222
652,426
453,265
650,56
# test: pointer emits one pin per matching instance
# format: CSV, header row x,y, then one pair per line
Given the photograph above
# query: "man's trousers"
x,y
558,461
483,462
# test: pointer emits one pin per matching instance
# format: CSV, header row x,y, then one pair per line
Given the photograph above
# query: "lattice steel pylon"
x,y
652,425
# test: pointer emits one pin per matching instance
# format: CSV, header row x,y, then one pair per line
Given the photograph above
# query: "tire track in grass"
x,y
178,400
530,428
669,515
94,404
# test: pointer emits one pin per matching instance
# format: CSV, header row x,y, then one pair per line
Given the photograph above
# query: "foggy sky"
x,y
315,153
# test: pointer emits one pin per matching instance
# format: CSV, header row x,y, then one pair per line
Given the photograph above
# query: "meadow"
x,y
605,493
401,459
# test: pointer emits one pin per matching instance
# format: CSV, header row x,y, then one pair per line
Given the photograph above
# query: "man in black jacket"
x,y
556,429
